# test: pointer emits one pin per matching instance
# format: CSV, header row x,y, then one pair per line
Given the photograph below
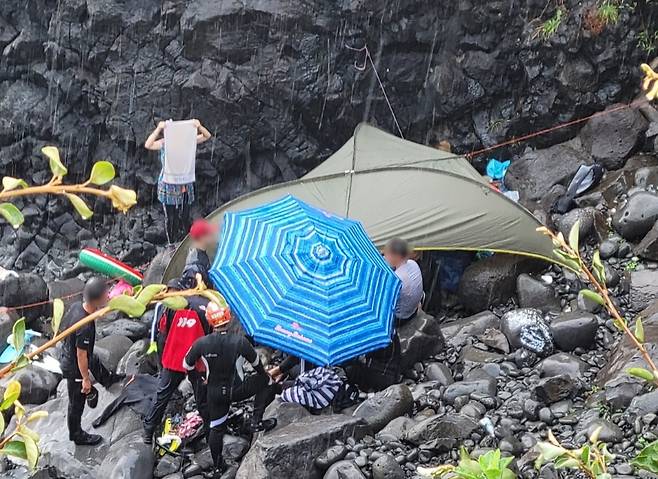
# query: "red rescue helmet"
x,y
217,315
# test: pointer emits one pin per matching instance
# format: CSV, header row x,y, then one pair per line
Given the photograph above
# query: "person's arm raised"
x,y
203,133
153,142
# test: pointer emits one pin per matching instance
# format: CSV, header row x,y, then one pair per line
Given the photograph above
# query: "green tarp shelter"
x,y
398,188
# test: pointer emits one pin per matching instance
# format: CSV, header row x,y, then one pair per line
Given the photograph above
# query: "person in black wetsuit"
x,y
379,369
224,355
79,363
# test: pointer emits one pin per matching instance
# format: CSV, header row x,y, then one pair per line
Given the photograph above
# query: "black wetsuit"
x,y
224,355
380,370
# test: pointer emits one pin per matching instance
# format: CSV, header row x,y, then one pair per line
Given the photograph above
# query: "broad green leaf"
x,y
565,462
549,451
9,183
14,449
2,424
584,455
215,297
23,430
567,260
102,173
592,296
508,474
647,458
639,330
11,214
147,293
58,313
80,206
19,410
153,348
641,373
175,302
597,266
11,395
122,199
574,234
56,166
127,305
18,335
31,451
594,437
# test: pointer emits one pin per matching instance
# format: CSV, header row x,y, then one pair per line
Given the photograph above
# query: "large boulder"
x,y
128,458
526,328
486,386
18,289
154,274
492,281
533,293
111,349
344,470
457,332
648,247
130,328
637,216
37,384
441,432
290,451
384,406
611,138
136,361
573,330
555,388
562,363
68,290
420,338
7,320
386,467
537,171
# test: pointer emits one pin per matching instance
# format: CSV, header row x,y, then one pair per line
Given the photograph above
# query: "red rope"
x,y
513,141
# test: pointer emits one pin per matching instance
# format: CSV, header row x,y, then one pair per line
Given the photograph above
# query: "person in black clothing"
x,y
224,354
177,331
78,360
379,370
203,235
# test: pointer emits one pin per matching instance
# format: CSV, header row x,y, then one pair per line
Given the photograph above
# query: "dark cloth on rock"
x,y
138,394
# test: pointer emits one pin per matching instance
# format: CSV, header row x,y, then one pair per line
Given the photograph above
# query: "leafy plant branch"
x,y
102,173
133,306
569,255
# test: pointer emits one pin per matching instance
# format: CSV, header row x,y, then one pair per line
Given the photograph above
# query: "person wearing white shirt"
x,y
396,254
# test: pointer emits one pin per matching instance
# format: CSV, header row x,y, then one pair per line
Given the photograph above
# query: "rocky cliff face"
x,y
276,84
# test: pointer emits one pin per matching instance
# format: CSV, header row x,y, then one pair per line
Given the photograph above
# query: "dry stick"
x,y
83,322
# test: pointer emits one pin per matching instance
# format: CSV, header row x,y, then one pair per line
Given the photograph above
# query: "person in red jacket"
x,y
177,331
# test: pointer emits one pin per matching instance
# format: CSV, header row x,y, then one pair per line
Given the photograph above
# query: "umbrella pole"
x,y
302,366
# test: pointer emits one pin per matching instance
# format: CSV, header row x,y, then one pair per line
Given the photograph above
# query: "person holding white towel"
x,y
176,141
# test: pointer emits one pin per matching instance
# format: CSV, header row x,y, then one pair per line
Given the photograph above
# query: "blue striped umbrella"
x,y
306,282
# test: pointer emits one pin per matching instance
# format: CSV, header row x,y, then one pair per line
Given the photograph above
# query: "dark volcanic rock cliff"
x,y
276,84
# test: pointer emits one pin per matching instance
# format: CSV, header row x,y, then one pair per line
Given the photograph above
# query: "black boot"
x,y
147,436
85,439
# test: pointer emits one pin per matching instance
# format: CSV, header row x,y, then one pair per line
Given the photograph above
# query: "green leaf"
x,y
11,214
58,313
11,395
9,183
584,455
215,297
647,458
641,373
639,330
175,302
18,335
592,296
599,269
21,362
2,424
549,451
574,234
127,305
147,293
36,415
567,260
80,206
14,449
102,173
31,450
56,166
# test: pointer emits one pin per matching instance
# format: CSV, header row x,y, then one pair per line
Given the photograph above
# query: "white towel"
x,y
180,152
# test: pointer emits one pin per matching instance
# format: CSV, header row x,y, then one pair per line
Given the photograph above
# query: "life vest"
x,y
184,329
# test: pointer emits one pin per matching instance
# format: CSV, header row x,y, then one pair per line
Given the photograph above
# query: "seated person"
x,y
378,370
396,254
203,235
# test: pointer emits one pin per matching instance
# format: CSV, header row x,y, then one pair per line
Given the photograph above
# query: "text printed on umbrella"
x,y
292,334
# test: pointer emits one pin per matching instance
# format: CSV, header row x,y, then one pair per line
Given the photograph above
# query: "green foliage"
x,y
647,458
592,296
80,206
641,373
11,214
18,335
102,173
175,303
488,466
591,459
597,267
56,166
609,12
9,183
127,305
647,41
550,26
147,293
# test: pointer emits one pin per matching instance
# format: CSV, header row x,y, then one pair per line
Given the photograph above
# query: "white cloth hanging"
x,y
180,152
